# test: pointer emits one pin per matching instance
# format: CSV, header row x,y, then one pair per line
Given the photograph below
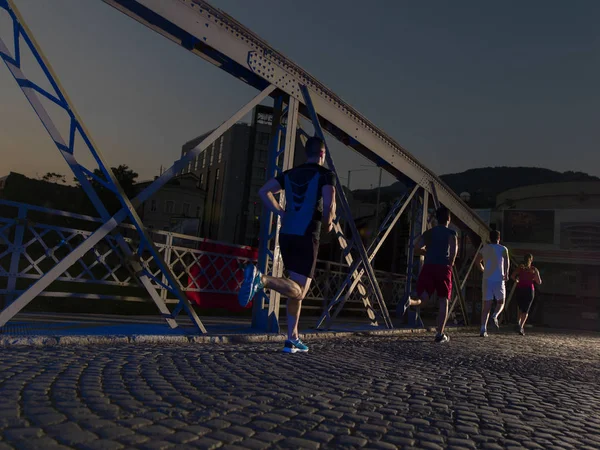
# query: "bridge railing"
x,y
33,239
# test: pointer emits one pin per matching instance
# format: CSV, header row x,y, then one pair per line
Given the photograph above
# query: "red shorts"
x,y
435,277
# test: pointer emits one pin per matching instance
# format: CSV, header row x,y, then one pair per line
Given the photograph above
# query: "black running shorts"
x,y
299,254
524,297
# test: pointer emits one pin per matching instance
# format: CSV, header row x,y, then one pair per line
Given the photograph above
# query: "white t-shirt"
x,y
493,261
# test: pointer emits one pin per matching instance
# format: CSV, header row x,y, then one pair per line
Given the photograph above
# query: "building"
x,y
178,206
559,223
231,171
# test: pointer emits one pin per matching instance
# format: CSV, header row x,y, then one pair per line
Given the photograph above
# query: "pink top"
x,y
526,277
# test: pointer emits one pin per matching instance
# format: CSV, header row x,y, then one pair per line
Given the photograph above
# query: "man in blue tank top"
x,y
440,245
309,201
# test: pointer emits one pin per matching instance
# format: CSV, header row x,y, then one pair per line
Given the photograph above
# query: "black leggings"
x,y
525,298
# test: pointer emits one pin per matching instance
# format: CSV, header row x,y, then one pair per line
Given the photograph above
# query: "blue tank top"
x,y
438,247
304,199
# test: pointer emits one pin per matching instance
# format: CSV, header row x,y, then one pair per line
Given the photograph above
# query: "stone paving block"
x,y
43,420
462,442
113,432
253,444
350,441
245,432
295,442
319,436
225,436
237,419
70,433
102,444
268,437
430,445
207,443
23,434
217,424
429,437
155,445
133,439
198,430
41,443
181,437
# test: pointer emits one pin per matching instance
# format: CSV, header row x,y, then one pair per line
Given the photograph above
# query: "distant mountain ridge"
x,y
484,184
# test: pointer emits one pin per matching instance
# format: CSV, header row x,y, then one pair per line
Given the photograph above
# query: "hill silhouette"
x,y
484,184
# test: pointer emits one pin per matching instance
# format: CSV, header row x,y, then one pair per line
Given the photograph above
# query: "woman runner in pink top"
x,y
526,277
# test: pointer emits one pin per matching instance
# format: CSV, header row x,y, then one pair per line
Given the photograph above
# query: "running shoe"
x,y
294,346
496,324
483,334
406,306
442,338
250,286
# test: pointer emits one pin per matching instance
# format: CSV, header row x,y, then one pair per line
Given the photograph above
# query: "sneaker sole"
x,y
244,296
293,350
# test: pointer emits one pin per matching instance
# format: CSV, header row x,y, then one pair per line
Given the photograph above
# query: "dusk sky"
x,y
460,84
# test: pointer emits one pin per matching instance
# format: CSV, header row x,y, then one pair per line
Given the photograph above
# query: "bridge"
x,y
107,251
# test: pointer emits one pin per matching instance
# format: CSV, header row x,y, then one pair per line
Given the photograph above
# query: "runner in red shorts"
x,y
440,245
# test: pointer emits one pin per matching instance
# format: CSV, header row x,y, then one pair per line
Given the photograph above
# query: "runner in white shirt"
x,y
494,262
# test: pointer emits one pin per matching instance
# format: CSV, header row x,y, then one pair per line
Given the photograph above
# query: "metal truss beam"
x,y
357,271
281,158
357,242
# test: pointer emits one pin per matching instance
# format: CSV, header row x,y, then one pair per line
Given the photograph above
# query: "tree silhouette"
x,y
53,177
124,175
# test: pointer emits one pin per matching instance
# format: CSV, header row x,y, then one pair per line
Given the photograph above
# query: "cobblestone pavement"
x,y
541,391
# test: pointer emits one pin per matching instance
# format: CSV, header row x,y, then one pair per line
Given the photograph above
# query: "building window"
x,y
189,169
220,151
186,209
263,138
259,172
217,174
201,179
262,155
197,211
153,206
204,158
196,162
212,154
170,207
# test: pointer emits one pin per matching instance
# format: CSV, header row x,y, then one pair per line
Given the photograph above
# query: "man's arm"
x,y
506,263
329,205
538,278
515,274
453,241
420,246
479,261
266,194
